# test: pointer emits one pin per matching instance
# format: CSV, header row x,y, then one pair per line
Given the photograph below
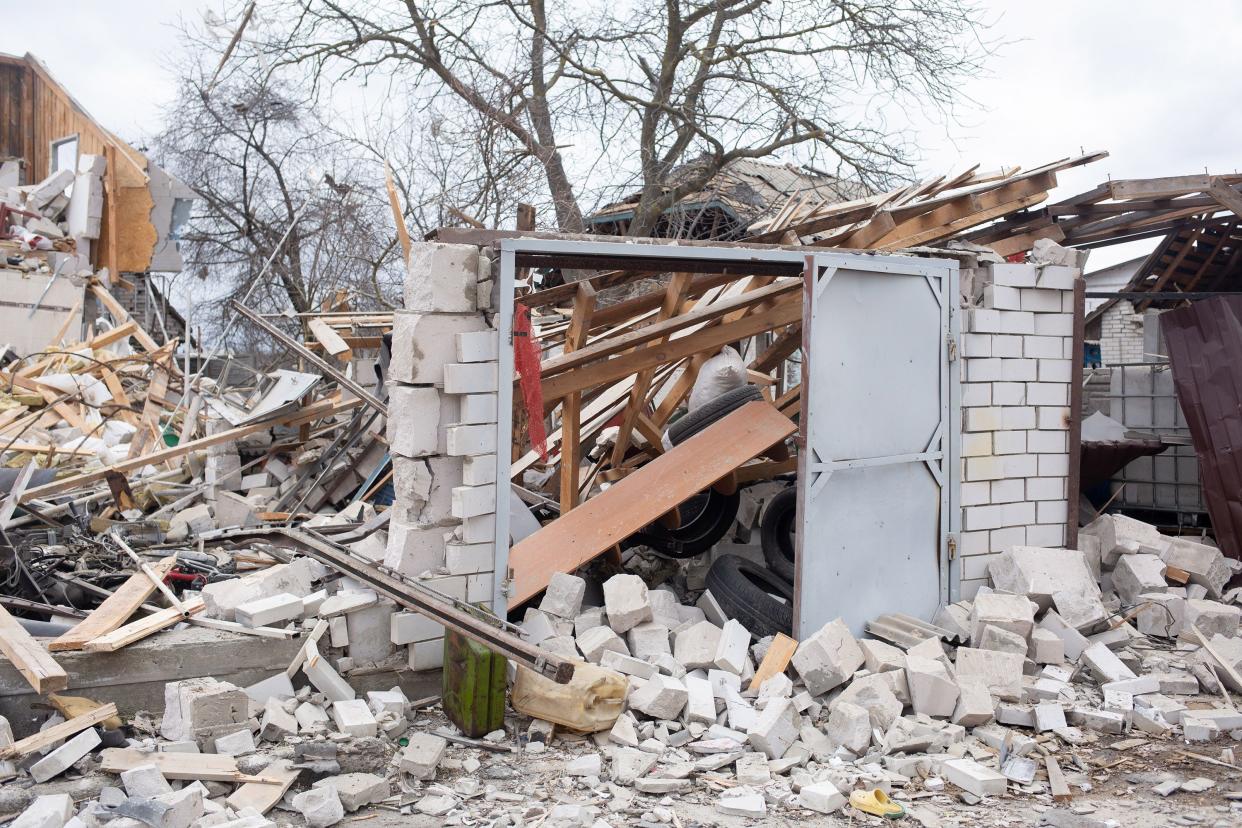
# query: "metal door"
x,y
878,468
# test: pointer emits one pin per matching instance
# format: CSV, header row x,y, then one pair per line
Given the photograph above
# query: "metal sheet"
x,y
1204,342
879,470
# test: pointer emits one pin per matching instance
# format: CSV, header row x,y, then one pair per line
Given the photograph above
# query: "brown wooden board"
x,y
263,796
30,659
140,629
209,767
114,611
55,733
643,496
775,660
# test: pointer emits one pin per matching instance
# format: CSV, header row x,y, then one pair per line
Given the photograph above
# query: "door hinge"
x,y
952,547
951,344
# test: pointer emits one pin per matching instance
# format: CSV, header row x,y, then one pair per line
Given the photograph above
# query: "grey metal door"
x,y
878,469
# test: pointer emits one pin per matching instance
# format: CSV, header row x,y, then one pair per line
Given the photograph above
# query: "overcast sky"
x,y
1153,86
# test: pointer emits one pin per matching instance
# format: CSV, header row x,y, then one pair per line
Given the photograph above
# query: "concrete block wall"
x,y
1122,334
1016,368
441,432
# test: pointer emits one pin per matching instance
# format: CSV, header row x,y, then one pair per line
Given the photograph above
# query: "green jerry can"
x,y
474,685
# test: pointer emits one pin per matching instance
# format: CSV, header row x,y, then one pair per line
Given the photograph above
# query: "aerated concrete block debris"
x,y
697,646
660,697
627,665
973,778
370,633
320,807
357,790
822,797
626,602
264,612
277,722
237,743
1001,640
590,764
1037,573
742,801
1009,612
144,782
828,658
1205,564
629,764
594,642
624,731
387,701
1212,618
850,727
442,278
1046,647
1000,672
776,728
1085,613
408,627
1074,641
700,701
731,649
354,718
64,757
648,641
933,692
974,703
311,717
1104,665
880,656
47,811
874,694
1229,649
194,708
1049,716
422,756
1135,574
325,679
563,597
223,597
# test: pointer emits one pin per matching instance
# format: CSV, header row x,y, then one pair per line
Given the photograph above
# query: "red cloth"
x,y
526,359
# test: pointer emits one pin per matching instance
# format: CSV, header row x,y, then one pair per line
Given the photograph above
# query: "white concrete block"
x,y
413,425
472,501
264,612
408,627
470,377
423,343
478,346
479,469
827,658
627,602
477,408
973,777
442,278
470,439
469,558
1041,301
354,717
1019,275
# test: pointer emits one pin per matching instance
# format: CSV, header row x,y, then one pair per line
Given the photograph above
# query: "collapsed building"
x,y
792,528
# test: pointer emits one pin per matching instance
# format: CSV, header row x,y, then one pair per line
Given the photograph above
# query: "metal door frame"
x,y
944,464
579,254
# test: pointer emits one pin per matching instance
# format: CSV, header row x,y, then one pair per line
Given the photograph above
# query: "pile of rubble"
x,y
1131,638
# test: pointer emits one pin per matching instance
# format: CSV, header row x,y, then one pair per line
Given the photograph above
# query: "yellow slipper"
x,y
876,802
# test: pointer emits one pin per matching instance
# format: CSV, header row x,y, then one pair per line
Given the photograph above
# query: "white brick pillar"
x,y
442,404
1018,352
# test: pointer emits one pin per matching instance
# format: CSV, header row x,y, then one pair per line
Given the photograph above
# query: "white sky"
x,y
1153,86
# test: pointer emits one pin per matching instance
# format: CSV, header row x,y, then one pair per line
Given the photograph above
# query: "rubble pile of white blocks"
x,y
442,433
1042,652
1017,363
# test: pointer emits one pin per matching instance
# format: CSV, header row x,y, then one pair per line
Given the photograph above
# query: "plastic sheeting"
x,y
1204,342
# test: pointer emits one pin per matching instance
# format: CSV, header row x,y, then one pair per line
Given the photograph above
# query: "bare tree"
x,y
659,95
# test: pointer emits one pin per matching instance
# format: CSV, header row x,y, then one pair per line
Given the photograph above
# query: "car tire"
x,y
748,593
708,413
776,532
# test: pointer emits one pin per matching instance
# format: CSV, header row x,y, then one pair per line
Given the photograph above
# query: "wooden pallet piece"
x,y
1056,781
571,407
114,611
55,733
28,656
143,627
643,496
775,660
332,342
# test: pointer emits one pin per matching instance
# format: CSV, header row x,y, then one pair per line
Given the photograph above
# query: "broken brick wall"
x,y
1017,364
442,433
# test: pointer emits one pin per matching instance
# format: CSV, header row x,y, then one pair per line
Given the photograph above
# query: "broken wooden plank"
x,y
57,732
143,627
1056,781
332,342
1227,196
775,660
571,409
1168,187
206,767
121,316
643,496
263,796
315,411
114,611
29,657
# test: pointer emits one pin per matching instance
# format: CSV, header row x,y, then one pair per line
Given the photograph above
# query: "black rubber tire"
x,y
776,529
745,592
708,413
707,517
